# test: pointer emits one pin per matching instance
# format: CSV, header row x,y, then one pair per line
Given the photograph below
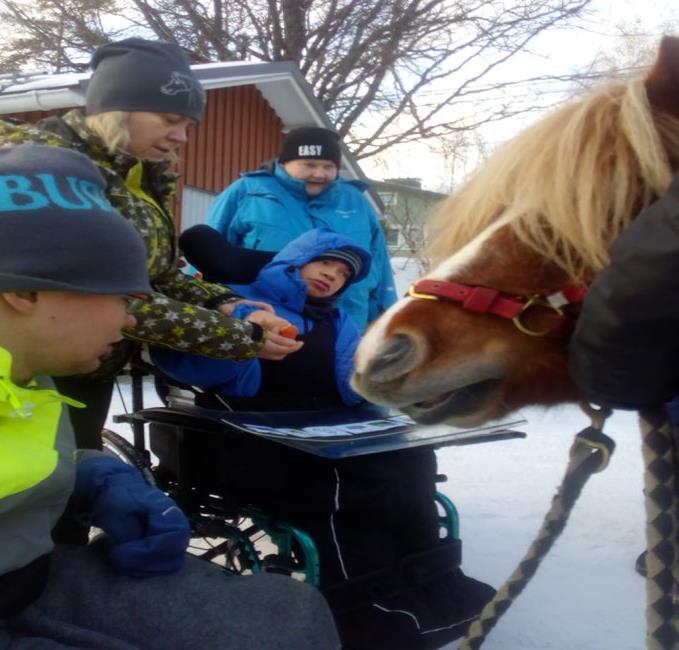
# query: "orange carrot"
x,y
289,331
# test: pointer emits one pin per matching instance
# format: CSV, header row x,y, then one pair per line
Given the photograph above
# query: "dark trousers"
x,y
89,421
366,514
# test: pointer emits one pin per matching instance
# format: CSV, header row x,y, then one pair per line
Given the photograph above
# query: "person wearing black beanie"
x,y
141,99
301,190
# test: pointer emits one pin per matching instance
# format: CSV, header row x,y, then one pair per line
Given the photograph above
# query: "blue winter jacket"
x,y
268,209
279,284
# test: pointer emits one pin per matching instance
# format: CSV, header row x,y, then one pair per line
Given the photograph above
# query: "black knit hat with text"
x,y
311,142
140,75
58,232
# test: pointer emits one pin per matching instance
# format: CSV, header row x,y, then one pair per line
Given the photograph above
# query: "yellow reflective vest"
x,y
37,466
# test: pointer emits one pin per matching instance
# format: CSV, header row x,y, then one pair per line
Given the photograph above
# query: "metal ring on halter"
x,y
532,302
423,296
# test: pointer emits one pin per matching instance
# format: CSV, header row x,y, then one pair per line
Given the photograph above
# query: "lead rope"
x,y
589,454
661,484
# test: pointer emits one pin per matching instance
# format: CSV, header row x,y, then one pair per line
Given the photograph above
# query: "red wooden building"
x,y
250,106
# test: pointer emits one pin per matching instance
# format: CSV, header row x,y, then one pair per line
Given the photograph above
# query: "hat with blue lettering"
x,y
58,232
311,142
139,75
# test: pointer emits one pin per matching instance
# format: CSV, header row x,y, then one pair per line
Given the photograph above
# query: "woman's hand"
x,y
227,308
276,346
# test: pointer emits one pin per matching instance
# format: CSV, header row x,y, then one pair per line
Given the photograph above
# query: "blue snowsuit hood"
x,y
293,257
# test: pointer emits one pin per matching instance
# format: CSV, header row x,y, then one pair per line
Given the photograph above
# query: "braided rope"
x,y
661,484
589,453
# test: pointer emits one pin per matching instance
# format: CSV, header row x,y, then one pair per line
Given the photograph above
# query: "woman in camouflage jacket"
x,y
141,100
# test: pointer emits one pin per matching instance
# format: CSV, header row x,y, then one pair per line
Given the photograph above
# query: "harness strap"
x,y
589,454
473,298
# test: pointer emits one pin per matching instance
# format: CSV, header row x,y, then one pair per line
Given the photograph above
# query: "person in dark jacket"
x,y
624,352
368,515
70,266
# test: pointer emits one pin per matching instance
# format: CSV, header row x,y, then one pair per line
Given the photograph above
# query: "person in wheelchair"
x,y
302,283
70,266
391,582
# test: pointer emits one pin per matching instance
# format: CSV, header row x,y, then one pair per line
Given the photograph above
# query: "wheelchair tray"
x,y
333,433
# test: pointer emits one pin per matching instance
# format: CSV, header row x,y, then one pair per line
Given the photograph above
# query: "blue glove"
x,y
149,532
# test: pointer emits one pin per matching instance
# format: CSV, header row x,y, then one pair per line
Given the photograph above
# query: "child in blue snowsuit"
x,y
372,515
318,375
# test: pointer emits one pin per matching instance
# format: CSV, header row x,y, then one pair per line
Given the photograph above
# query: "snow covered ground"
x,y
586,595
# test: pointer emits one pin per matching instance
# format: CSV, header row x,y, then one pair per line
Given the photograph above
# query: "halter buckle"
x,y
422,296
533,301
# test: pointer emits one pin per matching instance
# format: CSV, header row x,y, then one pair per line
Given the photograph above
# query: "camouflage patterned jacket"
x,y
176,316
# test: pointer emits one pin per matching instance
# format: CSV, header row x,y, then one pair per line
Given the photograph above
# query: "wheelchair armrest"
x,y
193,417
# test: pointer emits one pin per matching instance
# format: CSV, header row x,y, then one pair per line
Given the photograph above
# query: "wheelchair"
x,y
227,528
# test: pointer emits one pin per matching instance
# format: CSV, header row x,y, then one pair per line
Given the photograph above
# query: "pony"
x,y
486,331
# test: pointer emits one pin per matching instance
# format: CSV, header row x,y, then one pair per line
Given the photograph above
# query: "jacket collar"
x,y
298,188
18,401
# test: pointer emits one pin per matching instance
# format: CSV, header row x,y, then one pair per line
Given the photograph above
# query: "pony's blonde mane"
x,y
570,183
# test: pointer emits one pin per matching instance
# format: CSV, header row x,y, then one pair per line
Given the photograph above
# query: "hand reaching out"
x,y
276,346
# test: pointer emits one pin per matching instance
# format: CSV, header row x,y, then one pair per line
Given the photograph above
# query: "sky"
x,y
558,51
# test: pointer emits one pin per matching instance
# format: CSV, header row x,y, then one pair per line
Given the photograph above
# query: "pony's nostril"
x,y
395,357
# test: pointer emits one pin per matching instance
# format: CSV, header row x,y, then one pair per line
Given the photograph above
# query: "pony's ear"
x,y
662,83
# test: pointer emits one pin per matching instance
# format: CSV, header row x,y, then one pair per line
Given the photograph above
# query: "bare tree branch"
x,y
386,71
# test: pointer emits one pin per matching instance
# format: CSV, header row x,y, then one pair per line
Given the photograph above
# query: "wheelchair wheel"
x,y
115,445
449,519
252,542
294,551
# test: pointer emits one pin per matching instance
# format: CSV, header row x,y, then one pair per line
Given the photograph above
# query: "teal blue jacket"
x,y
267,209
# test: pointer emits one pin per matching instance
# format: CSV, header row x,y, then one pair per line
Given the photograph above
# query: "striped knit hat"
x,y
346,255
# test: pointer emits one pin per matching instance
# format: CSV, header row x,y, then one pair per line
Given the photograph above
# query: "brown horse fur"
x,y
565,188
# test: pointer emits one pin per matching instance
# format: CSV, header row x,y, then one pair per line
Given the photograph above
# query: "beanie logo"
x,y
36,191
180,84
310,150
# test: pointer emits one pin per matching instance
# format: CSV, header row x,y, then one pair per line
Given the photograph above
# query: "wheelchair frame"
x,y
247,540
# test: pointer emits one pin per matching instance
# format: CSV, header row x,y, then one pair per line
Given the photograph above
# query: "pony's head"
x,y
486,331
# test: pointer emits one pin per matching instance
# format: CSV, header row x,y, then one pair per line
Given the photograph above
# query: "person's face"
x,y
77,330
324,278
156,136
316,174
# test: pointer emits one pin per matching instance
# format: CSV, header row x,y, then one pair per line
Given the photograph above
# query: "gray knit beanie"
x,y
140,75
350,257
58,232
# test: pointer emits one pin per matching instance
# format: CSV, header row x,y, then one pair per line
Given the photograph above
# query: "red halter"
x,y
484,300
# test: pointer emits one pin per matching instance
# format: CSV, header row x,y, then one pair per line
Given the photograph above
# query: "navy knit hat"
x,y
346,255
140,75
58,232
311,142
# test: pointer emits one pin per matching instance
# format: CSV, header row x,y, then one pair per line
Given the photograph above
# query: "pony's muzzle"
x,y
395,357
